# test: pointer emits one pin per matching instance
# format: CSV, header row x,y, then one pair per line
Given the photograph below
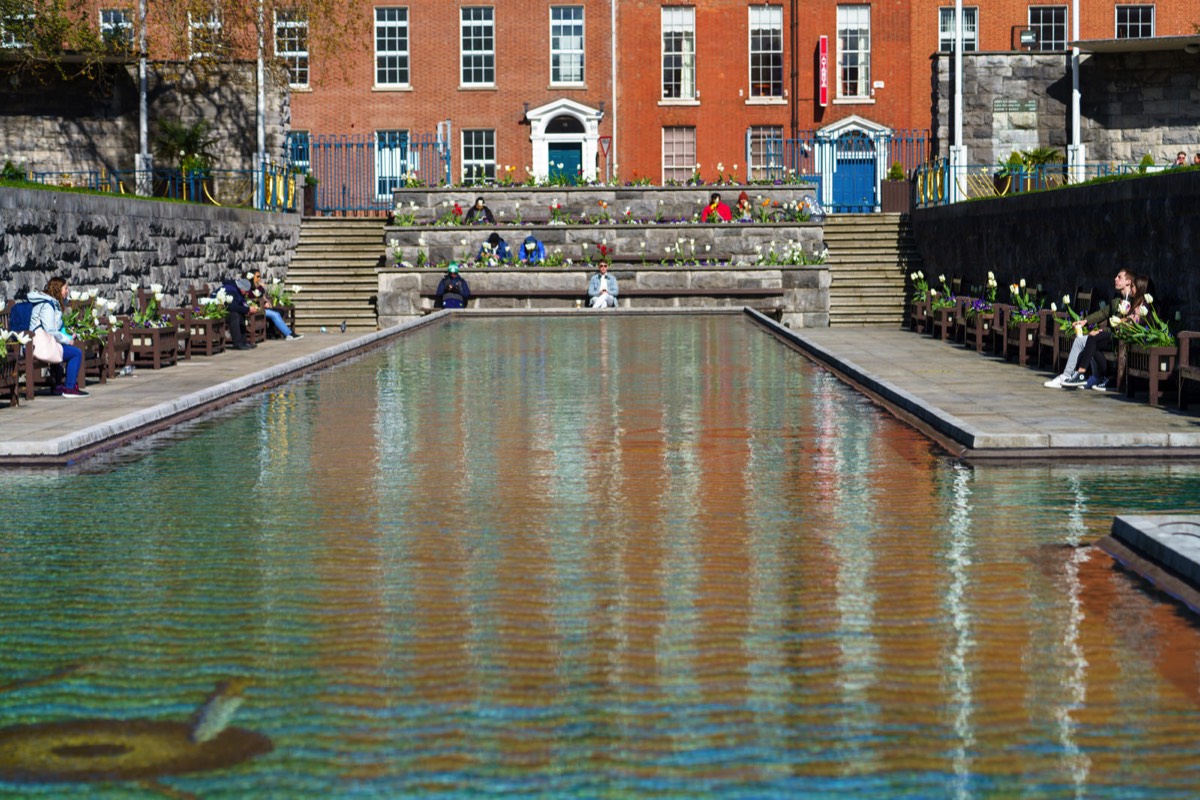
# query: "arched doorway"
x,y
851,155
565,137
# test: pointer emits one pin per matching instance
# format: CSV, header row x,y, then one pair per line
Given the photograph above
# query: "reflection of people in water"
x,y
142,750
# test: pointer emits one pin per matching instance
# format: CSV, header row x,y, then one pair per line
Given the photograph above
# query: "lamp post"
x,y
1077,152
144,164
260,156
958,151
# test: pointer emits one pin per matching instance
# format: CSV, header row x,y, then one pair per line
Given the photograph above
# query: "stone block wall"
x,y
1131,104
803,291
1075,238
106,243
726,243
54,125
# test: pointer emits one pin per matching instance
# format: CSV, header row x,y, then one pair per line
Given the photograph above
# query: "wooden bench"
x,y
1188,368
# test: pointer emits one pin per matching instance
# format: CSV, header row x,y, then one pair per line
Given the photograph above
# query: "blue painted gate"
x,y
854,170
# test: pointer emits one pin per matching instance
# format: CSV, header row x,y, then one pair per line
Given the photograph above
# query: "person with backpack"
x,y
453,290
46,314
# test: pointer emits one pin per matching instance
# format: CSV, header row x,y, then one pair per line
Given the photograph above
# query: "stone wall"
x,y
106,243
640,203
727,243
803,291
1073,238
54,125
1131,103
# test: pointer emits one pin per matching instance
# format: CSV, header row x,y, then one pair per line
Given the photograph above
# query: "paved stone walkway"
x,y
980,406
50,431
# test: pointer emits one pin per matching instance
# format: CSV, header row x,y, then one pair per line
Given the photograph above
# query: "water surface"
x,y
630,557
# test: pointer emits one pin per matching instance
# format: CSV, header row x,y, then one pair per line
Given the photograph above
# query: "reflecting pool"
x,y
628,557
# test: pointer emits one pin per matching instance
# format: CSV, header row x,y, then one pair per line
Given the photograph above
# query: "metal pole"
x,y
958,151
260,156
143,181
612,144
1076,153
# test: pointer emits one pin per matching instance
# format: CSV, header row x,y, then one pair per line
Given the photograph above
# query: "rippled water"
x,y
601,557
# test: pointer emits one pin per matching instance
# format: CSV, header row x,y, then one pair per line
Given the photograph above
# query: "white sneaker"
x,y
1054,383
294,336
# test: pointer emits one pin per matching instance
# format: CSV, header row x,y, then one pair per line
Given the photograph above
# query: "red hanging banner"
x,y
823,71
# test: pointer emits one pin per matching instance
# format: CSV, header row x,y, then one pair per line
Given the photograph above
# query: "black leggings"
x,y
1092,356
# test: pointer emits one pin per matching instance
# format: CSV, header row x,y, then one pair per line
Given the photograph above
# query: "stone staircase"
x,y
870,257
335,263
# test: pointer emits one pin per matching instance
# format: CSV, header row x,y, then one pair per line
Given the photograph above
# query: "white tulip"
x,y
1066,299
1022,283
1149,298
1054,307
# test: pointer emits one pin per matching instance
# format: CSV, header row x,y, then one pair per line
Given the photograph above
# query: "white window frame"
x,y
8,39
487,142
679,21
1117,24
946,29
211,28
768,18
678,165
395,158
288,20
392,22
481,58
560,54
116,26
848,15
759,167
1040,26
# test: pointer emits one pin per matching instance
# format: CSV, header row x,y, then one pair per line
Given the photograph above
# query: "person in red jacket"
x,y
716,210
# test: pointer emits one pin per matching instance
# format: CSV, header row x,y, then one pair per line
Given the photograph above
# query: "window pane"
x,y
391,46
1135,22
766,51
566,44
946,30
679,153
1050,25
766,151
479,156
392,165
116,27
478,46
679,52
291,44
854,51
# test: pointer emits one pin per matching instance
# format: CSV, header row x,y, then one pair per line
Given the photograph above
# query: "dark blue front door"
x,y
854,174
566,160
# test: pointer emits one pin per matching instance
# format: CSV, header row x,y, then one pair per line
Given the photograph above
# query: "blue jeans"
x,y
72,358
277,320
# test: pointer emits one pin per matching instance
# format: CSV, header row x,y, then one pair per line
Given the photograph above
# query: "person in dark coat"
x,y
239,309
479,213
453,290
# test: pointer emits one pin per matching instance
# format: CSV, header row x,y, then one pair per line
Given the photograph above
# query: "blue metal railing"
x,y
358,173
937,184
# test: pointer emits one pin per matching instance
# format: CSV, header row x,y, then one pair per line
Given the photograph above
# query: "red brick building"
x,y
532,85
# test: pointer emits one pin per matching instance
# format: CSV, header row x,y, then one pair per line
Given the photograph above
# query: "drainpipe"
x,y
612,35
958,151
794,30
1076,153
144,163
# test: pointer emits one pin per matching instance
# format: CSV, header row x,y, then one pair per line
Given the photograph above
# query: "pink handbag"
x,y
46,347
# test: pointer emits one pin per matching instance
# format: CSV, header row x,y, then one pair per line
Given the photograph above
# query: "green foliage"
x,y
188,145
896,172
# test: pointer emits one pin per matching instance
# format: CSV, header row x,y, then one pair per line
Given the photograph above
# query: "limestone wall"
x,y
726,243
53,125
804,291
1077,237
1131,103
106,243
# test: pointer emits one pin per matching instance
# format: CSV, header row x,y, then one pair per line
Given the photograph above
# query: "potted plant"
x,y
154,341
895,192
189,146
1010,174
1148,348
309,195
11,343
